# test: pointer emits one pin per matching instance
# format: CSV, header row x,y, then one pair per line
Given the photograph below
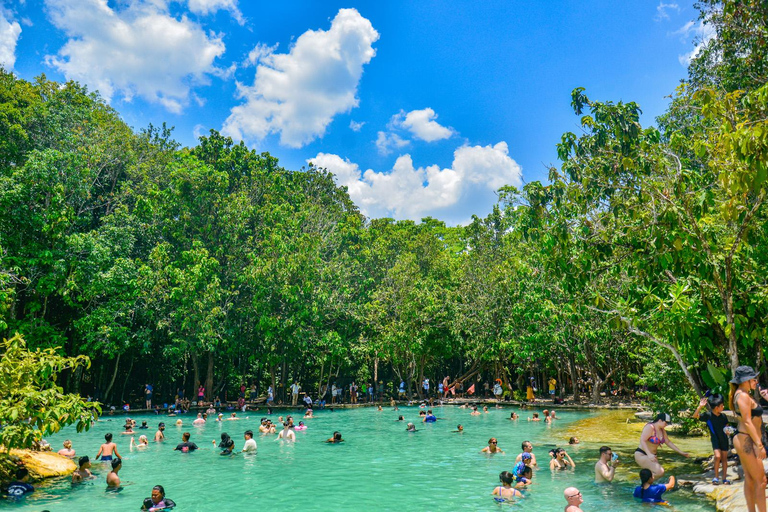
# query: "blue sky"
x,y
419,108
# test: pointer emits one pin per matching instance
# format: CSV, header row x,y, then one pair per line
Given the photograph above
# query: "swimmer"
x,y
547,419
505,491
226,445
535,417
475,412
336,438
309,413
143,442
144,425
107,449
574,440
459,429
301,426
574,499
250,443
654,435
410,428
493,447
560,460
179,422
400,418
287,433
157,502
220,417
199,420
552,415
605,468
67,451
485,409
649,493
128,430
527,448
185,446
159,436
379,408
429,418
514,416
83,470
112,479
525,478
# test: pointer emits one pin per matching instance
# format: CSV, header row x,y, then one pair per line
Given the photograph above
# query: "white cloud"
x,y
407,192
662,8
9,37
701,32
388,142
422,124
259,52
140,50
298,94
206,7
355,126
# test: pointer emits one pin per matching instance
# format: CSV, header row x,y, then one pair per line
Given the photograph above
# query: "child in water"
x,y
505,491
649,493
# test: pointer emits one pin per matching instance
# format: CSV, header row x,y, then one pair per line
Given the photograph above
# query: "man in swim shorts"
x,y
107,449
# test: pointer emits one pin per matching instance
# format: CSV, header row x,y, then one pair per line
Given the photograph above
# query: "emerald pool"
x,y
378,467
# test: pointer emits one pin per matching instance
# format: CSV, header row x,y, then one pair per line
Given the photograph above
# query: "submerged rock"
x,y
45,464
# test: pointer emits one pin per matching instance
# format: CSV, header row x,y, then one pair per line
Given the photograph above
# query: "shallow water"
x,y
378,467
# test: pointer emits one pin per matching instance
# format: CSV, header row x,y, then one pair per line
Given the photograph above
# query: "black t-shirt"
x,y
186,447
715,425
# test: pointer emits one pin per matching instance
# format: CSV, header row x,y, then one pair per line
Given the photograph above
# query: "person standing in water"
x,y
107,449
250,443
527,448
493,447
654,434
605,468
159,436
574,499
112,479
748,439
505,491
83,470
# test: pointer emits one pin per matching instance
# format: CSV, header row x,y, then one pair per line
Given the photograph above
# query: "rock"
x,y
45,464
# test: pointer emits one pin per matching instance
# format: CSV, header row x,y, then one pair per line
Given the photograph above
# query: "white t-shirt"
x,y
250,445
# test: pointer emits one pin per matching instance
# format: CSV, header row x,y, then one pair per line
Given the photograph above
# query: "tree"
x,y
32,404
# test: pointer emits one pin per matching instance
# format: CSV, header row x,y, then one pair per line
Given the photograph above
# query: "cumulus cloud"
x,y
701,33
140,50
355,126
259,52
422,124
408,192
206,7
297,94
9,37
662,10
387,142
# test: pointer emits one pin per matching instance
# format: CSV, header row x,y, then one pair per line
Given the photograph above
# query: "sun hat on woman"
x,y
743,374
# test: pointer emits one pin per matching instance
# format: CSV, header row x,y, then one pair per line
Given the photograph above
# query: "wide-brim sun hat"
x,y
743,374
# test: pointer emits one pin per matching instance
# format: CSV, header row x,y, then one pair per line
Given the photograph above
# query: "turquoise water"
x,y
378,467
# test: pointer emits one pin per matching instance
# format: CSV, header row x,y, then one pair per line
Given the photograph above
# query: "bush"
x,y
668,391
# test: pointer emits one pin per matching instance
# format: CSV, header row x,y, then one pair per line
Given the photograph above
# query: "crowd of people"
x,y
514,484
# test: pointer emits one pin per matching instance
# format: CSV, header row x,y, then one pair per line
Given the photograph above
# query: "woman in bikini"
x,y
748,440
653,436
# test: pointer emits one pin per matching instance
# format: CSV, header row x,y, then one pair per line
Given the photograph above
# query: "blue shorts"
x,y
106,457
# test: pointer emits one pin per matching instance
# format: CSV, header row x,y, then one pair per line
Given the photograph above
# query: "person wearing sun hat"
x,y
654,434
748,440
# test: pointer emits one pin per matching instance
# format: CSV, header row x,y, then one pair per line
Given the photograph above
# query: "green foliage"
x,y
32,404
659,372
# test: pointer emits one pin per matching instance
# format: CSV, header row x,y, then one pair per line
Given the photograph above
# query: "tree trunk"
x,y
209,377
196,371
112,381
127,378
574,378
